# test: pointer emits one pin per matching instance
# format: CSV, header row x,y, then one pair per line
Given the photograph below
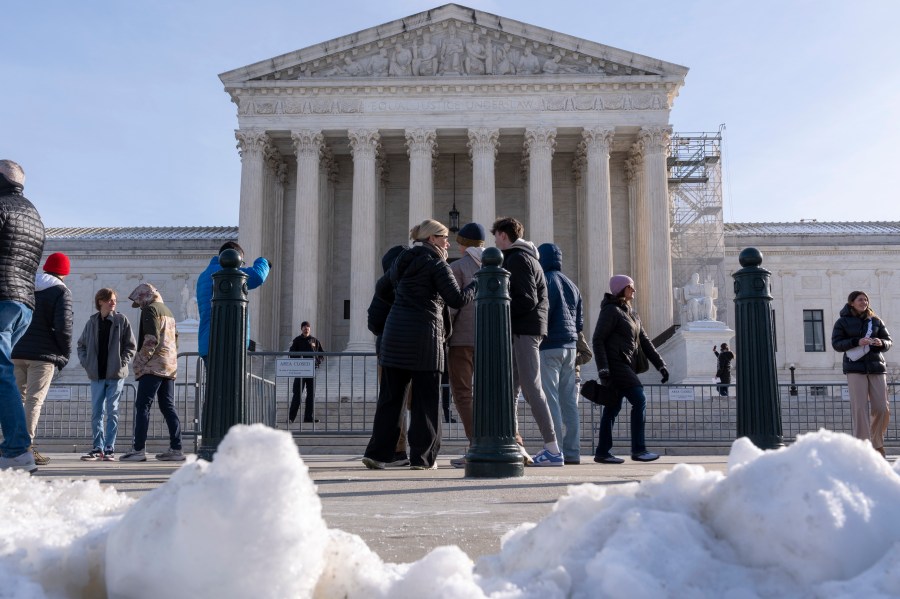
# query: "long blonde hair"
x,y
426,229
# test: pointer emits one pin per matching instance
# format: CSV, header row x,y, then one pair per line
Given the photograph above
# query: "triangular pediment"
x,y
454,41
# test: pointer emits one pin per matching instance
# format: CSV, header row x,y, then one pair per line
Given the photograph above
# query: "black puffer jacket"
x,y
847,332
528,304
21,244
415,331
615,341
49,336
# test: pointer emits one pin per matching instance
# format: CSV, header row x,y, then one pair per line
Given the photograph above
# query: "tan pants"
x,y
461,365
33,377
869,407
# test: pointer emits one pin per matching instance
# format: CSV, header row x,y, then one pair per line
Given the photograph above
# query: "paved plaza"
x,y
400,513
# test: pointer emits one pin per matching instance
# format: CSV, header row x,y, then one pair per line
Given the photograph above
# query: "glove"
x,y
665,375
269,262
603,375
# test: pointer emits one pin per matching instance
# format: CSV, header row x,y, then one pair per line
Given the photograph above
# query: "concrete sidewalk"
x,y
403,514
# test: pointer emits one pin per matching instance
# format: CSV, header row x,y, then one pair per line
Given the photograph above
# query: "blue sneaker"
x,y
548,458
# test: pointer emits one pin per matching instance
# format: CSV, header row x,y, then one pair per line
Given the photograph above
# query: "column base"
x,y
493,458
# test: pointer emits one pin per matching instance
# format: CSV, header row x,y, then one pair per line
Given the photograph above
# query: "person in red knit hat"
x,y
47,343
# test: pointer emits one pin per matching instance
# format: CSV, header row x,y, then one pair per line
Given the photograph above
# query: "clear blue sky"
x,y
116,112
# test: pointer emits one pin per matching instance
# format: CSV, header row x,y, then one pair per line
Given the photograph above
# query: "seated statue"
x,y
696,300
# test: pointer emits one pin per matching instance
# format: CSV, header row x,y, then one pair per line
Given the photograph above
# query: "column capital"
x,y
422,142
483,141
655,140
251,142
597,139
308,143
540,138
364,142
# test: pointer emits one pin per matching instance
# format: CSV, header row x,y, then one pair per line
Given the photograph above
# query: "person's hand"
x,y
603,375
665,375
269,262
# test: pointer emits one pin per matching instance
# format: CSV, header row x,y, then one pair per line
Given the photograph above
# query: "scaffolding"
x,y
695,199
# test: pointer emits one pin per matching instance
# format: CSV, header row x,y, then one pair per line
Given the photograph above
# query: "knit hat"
x,y
619,282
471,235
57,264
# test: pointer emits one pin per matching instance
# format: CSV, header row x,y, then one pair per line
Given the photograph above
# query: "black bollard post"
x,y
758,401
493,453
227,362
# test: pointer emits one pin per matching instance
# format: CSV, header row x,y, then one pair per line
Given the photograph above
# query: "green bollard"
x,y
493,453
223,405
758,401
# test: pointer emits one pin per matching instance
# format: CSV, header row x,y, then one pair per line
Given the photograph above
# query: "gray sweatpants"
x,y
527,375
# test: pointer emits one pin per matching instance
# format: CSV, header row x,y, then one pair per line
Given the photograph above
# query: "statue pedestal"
x,y
688,353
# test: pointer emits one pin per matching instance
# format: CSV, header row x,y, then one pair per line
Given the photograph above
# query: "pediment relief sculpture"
x,y
454,49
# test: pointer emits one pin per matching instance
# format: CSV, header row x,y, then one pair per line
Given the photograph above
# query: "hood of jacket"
x,y
43,280
144,295
550,257
847,310
476,253
526,246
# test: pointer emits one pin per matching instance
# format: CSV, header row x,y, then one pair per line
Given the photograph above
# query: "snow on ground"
x,y
816,519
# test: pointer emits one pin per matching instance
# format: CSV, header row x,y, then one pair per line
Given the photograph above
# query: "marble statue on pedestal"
x,y
697,300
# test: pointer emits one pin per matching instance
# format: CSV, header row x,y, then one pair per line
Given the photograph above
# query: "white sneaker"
x,y
134,456
170,455
20,462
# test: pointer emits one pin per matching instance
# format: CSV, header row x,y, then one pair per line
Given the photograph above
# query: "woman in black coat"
x,y
412,347
863,338
616,339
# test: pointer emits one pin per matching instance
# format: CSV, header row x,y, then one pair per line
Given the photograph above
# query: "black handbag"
x,y
640,363
602,395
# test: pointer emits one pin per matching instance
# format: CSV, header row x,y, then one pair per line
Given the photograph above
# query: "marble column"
x,y
363,250
539,144
639,215
655,142
305,289
252,144
421,145
269,314
483,144
597,226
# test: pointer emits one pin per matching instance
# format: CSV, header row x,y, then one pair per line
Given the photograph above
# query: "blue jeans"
x,y
558,381
14,320
105,395
163,389
635,396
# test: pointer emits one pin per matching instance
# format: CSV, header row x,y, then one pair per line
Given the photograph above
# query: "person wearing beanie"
x,y
461,345
528,320
620,345
723,368
21,246
256,276
47,343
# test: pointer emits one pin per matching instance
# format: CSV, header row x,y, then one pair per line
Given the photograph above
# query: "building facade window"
x,y
813,331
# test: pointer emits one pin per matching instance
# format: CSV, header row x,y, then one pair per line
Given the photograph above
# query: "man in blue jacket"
x,y
558,350
256,276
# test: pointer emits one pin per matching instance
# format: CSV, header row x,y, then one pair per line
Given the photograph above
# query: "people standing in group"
x,y
461,345
105,349
412,347
377,314
863,337
565,320
723,370
256,276
305,344
21,246
46,346
155,367
528,322
618,337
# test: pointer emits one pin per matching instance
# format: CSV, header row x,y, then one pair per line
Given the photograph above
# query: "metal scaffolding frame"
x,y
695,200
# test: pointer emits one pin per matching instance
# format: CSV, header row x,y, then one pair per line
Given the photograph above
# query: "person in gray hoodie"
x,y
105,349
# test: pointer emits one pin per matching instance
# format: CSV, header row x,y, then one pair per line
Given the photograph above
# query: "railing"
x,y
347,392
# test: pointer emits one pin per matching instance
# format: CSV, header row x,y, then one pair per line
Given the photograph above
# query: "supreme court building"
x,y
346,144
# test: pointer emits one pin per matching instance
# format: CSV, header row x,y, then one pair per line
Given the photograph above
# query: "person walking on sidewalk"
x,y
305,344
528,320
47,344
558,352
105,349
21,246
618,337
155,367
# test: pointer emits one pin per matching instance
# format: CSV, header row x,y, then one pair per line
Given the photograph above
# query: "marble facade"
x,y
346,144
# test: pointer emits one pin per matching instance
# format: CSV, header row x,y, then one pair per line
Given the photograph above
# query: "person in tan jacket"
x,y
155,366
